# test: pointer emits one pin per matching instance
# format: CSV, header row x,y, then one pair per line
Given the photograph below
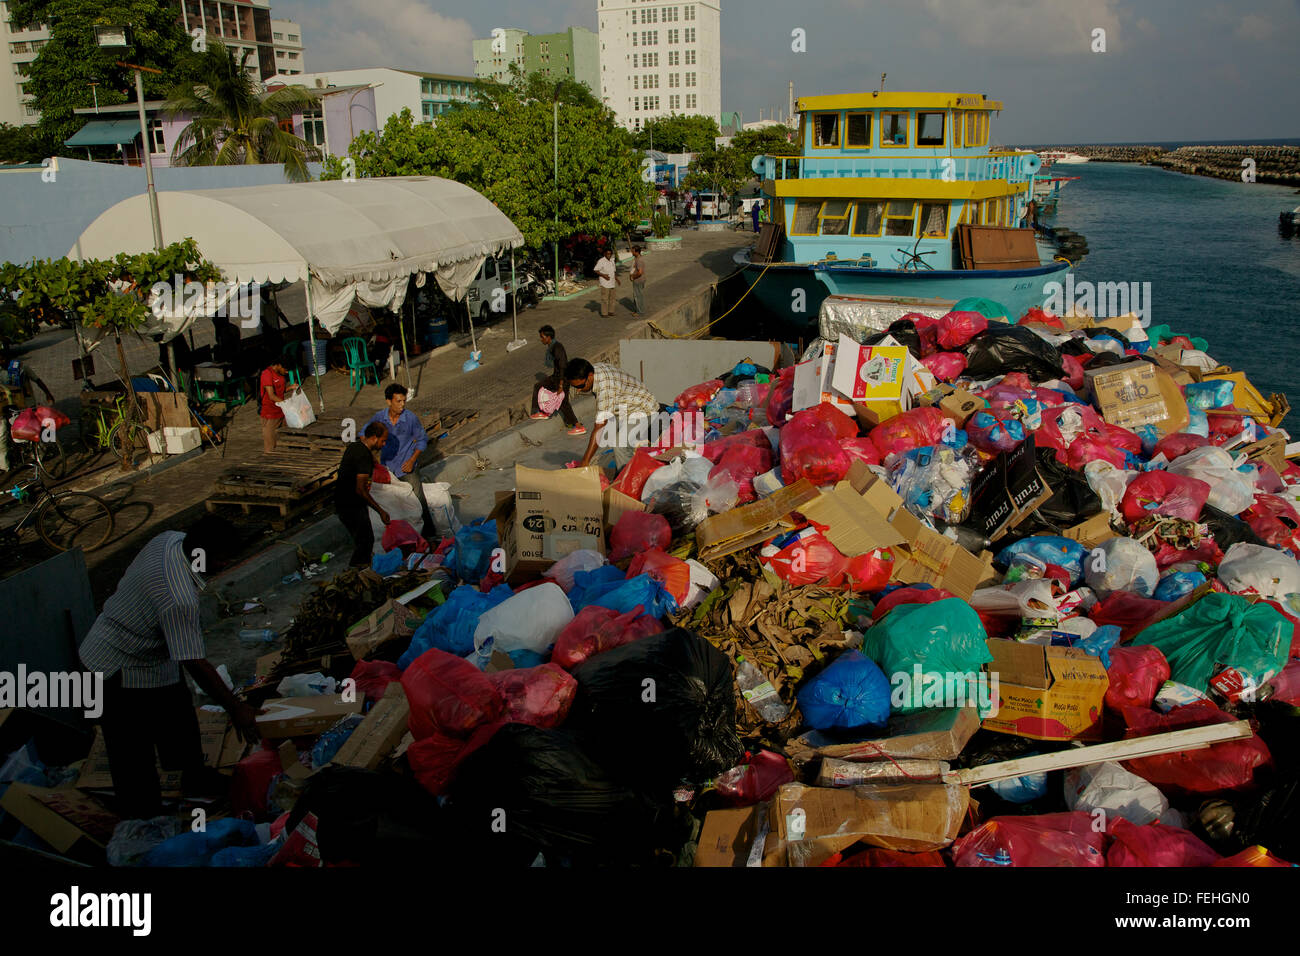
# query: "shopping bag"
x,y
297,410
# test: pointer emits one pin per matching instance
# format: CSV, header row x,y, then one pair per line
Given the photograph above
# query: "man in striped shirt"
x,y
621,401
147,630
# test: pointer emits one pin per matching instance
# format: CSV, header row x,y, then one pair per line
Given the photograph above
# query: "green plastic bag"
x,y
945,640
1163,333
1221,631
985,307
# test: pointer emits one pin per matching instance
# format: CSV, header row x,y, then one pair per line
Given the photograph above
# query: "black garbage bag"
x,y
369,818
1270,819
531,791
660,710
1107,359
1228,530
904,331
676,503
1072,501
1003,348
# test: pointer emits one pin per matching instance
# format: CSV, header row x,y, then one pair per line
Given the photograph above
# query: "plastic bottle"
x,y
250,637
759,693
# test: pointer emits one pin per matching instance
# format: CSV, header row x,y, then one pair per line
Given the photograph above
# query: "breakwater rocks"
x,y
1271,164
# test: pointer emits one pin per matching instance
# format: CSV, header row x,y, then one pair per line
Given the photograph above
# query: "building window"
x,y
929,129
635,56
279,54
691,101
157,143
690,79
674,58
857,132
826,130
900,218
674,35
868,219
279,36
674,102
636,82
690,34
893,130
636,103
293,38
428,111
690,57
634,38
690,13
313,129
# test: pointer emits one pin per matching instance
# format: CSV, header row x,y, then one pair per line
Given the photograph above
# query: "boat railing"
x,y
1014,167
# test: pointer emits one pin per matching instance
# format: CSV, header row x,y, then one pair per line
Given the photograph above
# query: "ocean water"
x,y
1210,249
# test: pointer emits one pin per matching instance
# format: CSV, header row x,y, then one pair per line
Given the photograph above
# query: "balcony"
x,y
1014,167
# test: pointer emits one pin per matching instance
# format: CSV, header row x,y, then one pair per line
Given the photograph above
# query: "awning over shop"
x,y
105,133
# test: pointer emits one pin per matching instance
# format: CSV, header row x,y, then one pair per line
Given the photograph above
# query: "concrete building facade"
x,y
290,57
572,53
426,95
659,58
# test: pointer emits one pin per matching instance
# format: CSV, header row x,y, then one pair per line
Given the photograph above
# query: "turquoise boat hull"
x,y
793,292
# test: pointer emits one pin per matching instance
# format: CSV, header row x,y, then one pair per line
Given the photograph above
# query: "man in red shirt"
x,y
271,389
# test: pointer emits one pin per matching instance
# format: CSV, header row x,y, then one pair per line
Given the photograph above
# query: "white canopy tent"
x,y
359,239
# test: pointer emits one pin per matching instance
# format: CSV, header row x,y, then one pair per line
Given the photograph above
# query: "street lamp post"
x,y
114,38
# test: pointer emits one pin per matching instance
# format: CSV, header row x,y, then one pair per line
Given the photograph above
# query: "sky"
x,y
1170,71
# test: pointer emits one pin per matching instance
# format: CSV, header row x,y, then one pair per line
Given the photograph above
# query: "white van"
x,y
491,290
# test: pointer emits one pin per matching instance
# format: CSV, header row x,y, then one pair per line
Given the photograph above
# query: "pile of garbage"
x,y
958,592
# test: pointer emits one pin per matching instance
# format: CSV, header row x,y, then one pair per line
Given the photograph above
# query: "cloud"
x,y
404,34
1032,28
1255,27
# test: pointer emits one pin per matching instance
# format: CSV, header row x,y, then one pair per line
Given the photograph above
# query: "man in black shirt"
x,y
352,492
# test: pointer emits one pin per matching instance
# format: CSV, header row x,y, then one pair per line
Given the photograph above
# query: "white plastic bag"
x,y
1116,792
1262,570
399,500
693,468
529,621
1231,491
441,507
297,410
1121,564
1108,482
563,570
306,685
1031,600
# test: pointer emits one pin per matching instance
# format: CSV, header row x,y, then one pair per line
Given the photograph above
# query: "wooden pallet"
x,y
281,475
283,511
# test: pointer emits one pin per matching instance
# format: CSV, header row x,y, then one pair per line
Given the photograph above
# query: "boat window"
x,y
929,129
900,218
867,221
858,133
805,218
835,217
826,129
958,127
934,219
893,129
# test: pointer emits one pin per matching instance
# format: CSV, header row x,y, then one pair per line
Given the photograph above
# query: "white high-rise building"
x,y
18,49
286,37
658,58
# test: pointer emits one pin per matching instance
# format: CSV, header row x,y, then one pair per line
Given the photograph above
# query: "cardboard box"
x,y
1092,532
748,525
550,514
956,404
303,716
811,824
617,504
71,822
1127,395
162,410
927,734
875,378
728,836
1270,450
1174,354
835,772
853,525
1006,492
813,383
379,734
388,622
1047,693
1171,368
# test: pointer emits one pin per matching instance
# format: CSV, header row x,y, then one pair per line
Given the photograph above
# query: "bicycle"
x,y
63,519
122,434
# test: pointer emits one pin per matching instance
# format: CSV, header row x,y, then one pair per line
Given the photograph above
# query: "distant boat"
x,y
1053,156
897,195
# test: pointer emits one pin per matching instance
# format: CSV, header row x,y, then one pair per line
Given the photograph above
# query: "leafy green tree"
x,y
501,146
20,144
60,77
772,141
678,134
721,170
233,122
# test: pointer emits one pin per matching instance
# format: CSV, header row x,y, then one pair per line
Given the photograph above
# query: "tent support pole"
x,y
401,328
516,342
473,343
311,336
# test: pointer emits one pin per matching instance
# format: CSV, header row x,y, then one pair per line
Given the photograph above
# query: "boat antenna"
x,y
882,82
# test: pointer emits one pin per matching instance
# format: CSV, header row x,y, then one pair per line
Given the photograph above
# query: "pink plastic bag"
x,y
638,531
1085,448
781,398
1274,520
1286,685
30,423
742,464
1230,765
861,449
945,366
1050,839
958,328
400,534
1136,674
918,428
1158,492
1049,435
907,596
755,780
540,696
1073,371
448,695
549,402
1155,845
1178,444
631,480
754,437
595,630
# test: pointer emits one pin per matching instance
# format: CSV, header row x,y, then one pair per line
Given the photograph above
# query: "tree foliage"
x,y
233,123
61,75
501,145
678,134
723,170
20,144
771,141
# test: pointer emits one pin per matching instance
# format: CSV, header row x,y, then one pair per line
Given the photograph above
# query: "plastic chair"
x,y
289,358
359,364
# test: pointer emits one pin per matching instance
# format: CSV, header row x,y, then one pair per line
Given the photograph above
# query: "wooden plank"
x,y
1195,738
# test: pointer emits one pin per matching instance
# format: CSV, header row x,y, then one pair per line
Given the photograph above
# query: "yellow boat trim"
x,y
874,188
897,101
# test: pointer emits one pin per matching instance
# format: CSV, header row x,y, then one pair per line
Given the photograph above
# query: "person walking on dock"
x,y
638,282
556,359
271,390
352,492
607,269
405,444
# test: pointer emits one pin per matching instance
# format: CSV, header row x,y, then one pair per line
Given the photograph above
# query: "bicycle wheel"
x,y
74,519
130,442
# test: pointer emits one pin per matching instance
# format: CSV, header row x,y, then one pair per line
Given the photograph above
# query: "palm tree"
x,y
234,123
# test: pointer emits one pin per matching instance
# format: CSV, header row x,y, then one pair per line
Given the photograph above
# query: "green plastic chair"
x,y
359,365
289,358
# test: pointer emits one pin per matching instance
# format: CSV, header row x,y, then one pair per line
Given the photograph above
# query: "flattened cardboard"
x,y
727,836
848,773
927,734
750,524
1175,371
1270,450
1006,492
1092,532
1047,693
546,504
379,734
389,622
1127,395
62,818
617,504
303,716
853,526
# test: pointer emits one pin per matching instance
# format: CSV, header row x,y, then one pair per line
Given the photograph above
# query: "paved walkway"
x,y
499,391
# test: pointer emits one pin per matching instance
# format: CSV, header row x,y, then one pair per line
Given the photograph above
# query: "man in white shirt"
x,y
607,269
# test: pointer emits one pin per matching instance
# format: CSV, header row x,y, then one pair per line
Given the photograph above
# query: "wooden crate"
x,y
280,475
281,511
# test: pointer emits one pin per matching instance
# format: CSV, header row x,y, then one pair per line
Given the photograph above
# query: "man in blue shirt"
x,y
406,442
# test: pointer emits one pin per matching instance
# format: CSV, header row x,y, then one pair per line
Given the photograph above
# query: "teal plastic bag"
x,y
931,653
1221,631
1163,333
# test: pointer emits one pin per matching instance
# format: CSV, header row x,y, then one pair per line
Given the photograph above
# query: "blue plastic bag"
x,y
1178,584
1150,436
1063,552
589,585
450,626
1099,643
197,849
1213,394
642,590
851,692
246,856
474,546
524,658
330,742
1021,789
1198,423
388,563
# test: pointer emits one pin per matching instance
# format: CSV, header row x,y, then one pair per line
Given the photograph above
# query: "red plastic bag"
x,y
1128,611
1050,839
918,428
810,560
1252,856
756,437
373,677
910,595
1230,765
1037,316
1274,520
1225,422
989,431
1121,437
697,396
1049,434
870,571
945,366
810,446
595,630
742,464
1178,444
1158,492
30,423
540,696
1085,448
958,328
251,784
1073,371
1136,674
1156,845
1286,685
631,480
381,475
448,695
754,780
673,573
638,531
400,534
1167,555
434,759
826,416
861,449
781,398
